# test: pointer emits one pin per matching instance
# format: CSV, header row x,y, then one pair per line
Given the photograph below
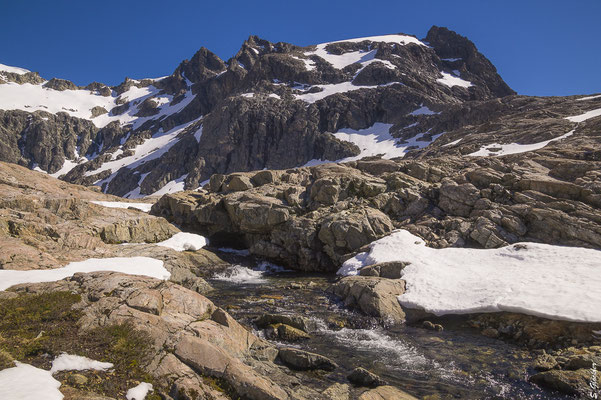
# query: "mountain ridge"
x,y
272,105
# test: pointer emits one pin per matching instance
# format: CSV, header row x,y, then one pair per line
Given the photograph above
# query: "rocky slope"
x,y
273,105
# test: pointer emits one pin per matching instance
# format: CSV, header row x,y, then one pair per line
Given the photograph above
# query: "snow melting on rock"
x,y
376,140
139,392
496,149
70,362
450,80
25,381
548,281
145,207
128,265
176,185
184,241
585,116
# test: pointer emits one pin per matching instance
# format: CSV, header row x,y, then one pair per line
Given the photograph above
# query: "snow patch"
x,y
128,265
423,110
69,362
585,116
145,207
598,96
14,70
334,88
25,382
184,241
548,281
450,80
514,148
139,392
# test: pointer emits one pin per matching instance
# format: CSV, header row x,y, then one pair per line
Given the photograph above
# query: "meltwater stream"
x,y
455,363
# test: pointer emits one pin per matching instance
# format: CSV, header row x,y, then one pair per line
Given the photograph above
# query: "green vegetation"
x,y
36,328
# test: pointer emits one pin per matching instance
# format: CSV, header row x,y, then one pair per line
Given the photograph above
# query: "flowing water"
x,y
455,363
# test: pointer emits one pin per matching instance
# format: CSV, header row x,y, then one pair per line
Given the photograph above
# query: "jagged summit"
x,y
272,105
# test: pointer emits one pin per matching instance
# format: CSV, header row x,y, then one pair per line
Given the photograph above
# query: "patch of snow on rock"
x,y
145,207
14,70
24,381
145,266
496,149
450,81
548,281
184,241
69,362
139,392
585,116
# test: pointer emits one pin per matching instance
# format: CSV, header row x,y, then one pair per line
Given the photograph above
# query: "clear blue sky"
x,y
539,47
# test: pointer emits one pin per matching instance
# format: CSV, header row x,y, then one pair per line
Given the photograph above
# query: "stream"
x,y
456,363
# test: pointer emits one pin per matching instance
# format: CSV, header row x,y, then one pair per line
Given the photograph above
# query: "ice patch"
x,y
450,80
548,281
424,110
145,207
128,265
139,392
184,241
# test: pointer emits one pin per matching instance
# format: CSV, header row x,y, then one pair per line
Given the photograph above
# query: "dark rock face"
x,y
252,118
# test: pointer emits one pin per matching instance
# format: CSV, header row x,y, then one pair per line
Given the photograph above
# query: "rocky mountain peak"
x,y
461,54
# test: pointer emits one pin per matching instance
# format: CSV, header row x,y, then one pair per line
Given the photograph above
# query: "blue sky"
x,y
539,47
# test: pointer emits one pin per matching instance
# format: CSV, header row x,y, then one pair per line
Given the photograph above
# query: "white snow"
x,y
589,97
198,134
334,88
139,392
395,38
250,94
183,241
450,80
585,116
537,279
176,185
452,143
15,70
128,265
68,165
150,149
69,362
423,110
514,148
26,382
375,140
451,59
145,207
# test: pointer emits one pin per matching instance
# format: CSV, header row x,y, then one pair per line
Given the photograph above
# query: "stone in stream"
x,y
386,393
304,360
295,321
362,377
285,332
433,327
568,382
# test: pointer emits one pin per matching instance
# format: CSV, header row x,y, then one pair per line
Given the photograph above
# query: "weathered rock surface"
x,y
362,377
374,296
304,360
315,218
191,337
